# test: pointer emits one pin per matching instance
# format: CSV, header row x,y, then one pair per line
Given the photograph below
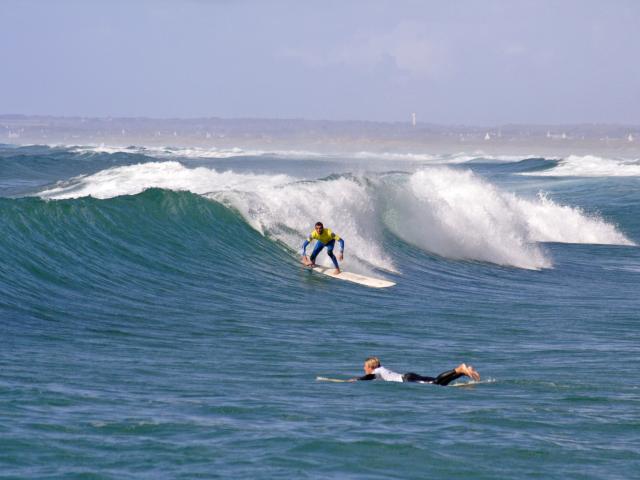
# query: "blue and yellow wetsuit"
x,y
325,239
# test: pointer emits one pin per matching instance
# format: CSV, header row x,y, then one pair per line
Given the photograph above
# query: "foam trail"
x,y
457,214
591,166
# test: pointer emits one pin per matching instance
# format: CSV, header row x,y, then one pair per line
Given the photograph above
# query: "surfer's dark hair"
x,y
319,224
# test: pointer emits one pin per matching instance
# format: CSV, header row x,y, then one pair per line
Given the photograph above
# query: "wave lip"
x,y
591,166
456,214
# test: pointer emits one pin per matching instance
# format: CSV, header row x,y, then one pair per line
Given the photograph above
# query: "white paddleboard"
x,y
354,277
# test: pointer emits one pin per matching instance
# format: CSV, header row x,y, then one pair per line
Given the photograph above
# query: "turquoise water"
x,y
156,323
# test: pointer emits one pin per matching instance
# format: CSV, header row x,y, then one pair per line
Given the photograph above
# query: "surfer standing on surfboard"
x,y
375,371
325,238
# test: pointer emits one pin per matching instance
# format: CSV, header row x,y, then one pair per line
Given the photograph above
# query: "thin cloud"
x,y
407,47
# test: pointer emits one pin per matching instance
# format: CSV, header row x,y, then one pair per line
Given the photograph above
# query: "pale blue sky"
x,y
467,62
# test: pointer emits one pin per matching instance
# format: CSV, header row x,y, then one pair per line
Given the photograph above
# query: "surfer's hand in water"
x,y
307,262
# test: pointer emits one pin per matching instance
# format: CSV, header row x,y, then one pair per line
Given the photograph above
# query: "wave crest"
x,y
450,212
171,175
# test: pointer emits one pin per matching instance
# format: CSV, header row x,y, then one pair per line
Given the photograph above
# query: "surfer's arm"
x,y
340,244
370,376
304,246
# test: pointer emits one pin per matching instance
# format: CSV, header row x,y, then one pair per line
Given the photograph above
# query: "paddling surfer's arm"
x,y
370,376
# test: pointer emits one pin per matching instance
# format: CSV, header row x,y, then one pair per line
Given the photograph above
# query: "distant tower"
x,y
487,136
548,134
564,136
413,119
630,138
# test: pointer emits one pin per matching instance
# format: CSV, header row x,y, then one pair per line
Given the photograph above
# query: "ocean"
x,y
156,322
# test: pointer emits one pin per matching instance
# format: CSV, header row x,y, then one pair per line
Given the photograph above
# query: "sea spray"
x,y
457,214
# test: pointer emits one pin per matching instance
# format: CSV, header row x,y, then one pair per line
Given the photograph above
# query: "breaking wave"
x,y
449,212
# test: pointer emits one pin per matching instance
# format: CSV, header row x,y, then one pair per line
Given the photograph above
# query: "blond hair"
x,y
372,362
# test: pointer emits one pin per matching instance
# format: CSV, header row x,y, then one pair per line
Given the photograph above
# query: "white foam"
x,y
457,214
463,157
551,222
345,205
169,152
102,148
395,156
592,166
133,179
452,158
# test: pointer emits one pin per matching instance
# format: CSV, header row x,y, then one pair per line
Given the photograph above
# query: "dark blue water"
x,y
156,323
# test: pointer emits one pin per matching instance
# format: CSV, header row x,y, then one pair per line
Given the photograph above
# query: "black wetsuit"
x,y
445,378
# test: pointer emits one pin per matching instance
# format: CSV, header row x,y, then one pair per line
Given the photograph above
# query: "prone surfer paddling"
x,y
325,238
375,371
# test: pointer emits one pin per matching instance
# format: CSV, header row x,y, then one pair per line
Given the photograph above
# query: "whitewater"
x,y
449,212
157,321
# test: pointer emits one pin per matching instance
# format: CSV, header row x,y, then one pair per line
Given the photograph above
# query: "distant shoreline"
x,y
321,135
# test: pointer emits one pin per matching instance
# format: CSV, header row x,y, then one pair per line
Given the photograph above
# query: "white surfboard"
x,y
470,383
334,380
354,277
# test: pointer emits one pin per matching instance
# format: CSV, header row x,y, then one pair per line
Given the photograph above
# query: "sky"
x,y
457,62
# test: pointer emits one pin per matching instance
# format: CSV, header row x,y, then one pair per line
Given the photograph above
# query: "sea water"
x,y
156,323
